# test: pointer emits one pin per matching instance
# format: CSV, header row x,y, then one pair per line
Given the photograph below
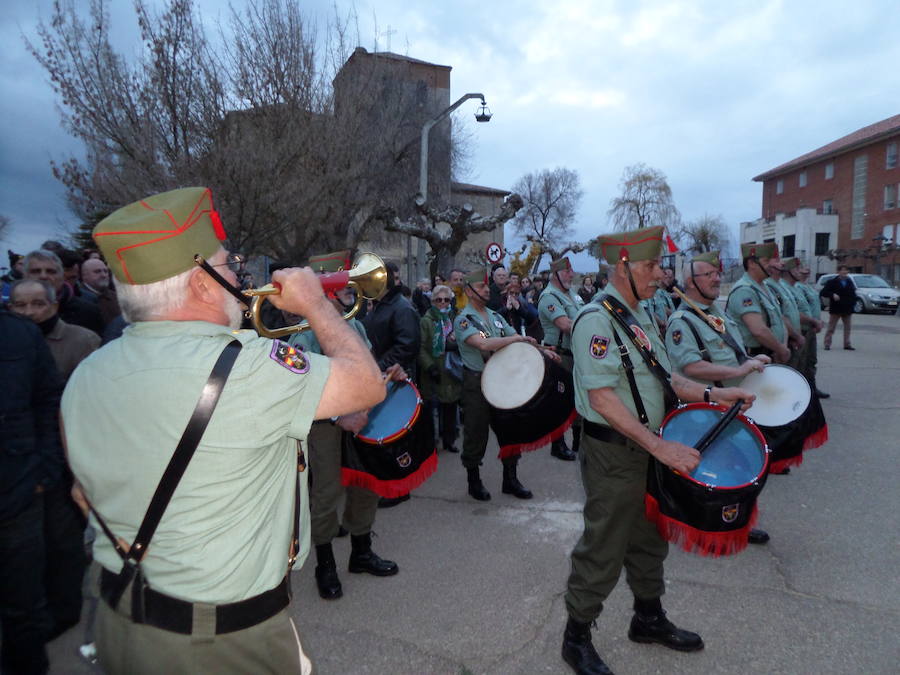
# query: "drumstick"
x,y
706,440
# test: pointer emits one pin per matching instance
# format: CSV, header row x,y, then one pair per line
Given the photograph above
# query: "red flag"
x,y
671,244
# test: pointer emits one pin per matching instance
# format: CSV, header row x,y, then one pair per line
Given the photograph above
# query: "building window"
x,y
888,233
822,243
860,179
779,186
787,245
829,171
890,197
891,156
827,207
802,179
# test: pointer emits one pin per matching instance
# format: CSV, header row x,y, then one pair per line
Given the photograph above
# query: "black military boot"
x,y
364,559
650,624
818,393
326,573
476,487
511,484
560,450
758,536
576,438
578,650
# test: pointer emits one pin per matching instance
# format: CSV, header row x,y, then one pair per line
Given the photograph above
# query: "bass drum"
x,y
711,511
394,453
532,398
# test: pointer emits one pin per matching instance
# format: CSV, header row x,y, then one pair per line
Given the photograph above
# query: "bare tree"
x,y
299,150
5,226
708,233
445,229
645,200
551,199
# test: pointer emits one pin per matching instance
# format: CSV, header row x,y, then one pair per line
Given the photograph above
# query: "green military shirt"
x,y
800,298
554,303
812,299
682,346
660,304
782,290
749,297
598,363
469,322
308,342
226,532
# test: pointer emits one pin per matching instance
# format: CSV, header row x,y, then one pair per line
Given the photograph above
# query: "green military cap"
x,y
477,275
339,261
157,237
560,265
711,257
642,244
792,263
766,250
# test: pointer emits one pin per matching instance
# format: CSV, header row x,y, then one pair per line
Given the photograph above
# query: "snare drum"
x,y
711,511
394,453
532,398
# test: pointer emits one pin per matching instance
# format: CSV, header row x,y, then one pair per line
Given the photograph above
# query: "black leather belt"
x,y
171,614
603,433
756,351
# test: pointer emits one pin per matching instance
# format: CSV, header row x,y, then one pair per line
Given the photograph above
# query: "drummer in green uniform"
x,y
557,308
479,332
753,307
808,303
618,437
324,456
704,344
207,589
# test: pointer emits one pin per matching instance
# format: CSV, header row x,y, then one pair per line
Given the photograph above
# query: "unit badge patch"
x,y
730,513
599,346
464,324
498,323
290,357
551,308
676,337
642,337
747,302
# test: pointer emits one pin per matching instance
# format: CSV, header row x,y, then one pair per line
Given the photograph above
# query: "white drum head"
x,y
512,376
782,394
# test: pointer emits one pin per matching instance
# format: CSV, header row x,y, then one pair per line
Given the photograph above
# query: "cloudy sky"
x,y
711,93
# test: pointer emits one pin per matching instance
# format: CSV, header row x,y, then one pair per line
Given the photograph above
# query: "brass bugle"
x,y
368,276
715,322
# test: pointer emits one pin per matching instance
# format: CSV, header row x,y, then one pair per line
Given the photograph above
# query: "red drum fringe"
x,y
515,449
814,440
692,540
391,488
817,438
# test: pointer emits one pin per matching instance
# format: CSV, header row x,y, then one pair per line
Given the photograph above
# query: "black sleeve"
x,y
46,392
406,339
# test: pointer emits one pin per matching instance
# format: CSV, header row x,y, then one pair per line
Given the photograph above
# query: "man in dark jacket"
x,y
841,294
46,266
31,479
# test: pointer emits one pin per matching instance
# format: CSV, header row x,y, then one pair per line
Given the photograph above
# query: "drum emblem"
x,y
561,387
599,346
676,337
730,513
642,337
404,460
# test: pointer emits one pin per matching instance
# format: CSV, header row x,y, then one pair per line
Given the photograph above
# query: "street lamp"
x,y
483,114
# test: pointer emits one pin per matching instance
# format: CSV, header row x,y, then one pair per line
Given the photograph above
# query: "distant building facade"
x,y
840,200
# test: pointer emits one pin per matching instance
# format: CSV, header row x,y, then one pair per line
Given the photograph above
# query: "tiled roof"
x,y
479,189
858,138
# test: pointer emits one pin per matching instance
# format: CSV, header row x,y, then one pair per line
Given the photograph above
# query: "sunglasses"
x,y
441,300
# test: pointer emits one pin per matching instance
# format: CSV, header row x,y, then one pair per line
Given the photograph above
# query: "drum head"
x,y
512,376
782,395
736,458
393,417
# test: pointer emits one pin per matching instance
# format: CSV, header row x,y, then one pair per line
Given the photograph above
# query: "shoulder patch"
x,y
464,323
498,323
599,346
676,337
290,357
747,302
551,307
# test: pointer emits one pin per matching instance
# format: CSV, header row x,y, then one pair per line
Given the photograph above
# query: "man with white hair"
x,y
96,287
226,484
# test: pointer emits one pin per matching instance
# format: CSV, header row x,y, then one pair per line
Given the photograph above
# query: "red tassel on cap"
x,y
217,225
671,244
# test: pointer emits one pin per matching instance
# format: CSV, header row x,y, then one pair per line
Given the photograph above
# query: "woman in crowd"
x,y
587,288
440,368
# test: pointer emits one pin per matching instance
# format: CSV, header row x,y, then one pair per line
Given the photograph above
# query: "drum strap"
x,y
480,326
632,383
190,439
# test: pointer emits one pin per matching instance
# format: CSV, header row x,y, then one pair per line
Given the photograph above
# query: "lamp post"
x,y
483,114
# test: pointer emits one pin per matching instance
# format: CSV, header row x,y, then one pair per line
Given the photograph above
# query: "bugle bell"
x,y
368,276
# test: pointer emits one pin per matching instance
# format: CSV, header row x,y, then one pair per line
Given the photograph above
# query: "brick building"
x,y
837,203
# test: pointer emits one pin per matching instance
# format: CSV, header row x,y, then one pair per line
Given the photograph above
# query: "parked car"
x,y
873,294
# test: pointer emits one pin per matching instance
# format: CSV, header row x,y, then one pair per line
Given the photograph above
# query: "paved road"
x,y
480,585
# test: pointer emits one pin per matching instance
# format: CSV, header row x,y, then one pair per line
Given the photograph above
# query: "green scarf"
x,y
438,345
